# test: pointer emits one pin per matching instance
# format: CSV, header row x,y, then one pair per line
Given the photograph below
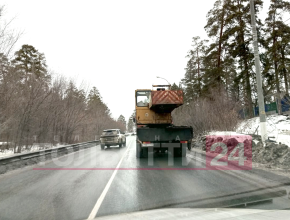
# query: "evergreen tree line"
x,y
130,124
38,108
224,63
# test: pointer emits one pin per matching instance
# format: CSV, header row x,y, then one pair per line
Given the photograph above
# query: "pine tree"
x,y
195,70
277,41
130,125
95,101
122,121
98,112
31,64
217,27
240,45
174,87
285,52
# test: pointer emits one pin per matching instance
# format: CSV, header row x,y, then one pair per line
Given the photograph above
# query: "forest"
x,y
39,106
220,77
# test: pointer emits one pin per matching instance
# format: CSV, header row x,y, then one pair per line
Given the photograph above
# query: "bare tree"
x,y
8,35
218,112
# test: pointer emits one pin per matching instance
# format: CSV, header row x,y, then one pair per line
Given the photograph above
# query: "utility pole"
x,y
262,113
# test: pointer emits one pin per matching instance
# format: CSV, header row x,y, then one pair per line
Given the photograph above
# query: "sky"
x,y
117,46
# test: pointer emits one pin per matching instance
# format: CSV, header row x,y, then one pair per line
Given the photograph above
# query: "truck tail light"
x,y
147,144
183,142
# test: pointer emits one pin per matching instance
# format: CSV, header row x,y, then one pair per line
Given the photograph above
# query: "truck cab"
x,y
146,116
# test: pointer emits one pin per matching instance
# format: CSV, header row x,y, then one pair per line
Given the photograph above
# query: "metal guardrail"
x,y
24,159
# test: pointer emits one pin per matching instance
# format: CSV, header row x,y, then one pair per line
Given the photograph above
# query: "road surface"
x,y
88,185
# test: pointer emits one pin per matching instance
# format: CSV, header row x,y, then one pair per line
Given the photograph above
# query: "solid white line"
x,y
103,195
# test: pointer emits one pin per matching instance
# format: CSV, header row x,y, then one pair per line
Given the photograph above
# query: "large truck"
x,y
154,126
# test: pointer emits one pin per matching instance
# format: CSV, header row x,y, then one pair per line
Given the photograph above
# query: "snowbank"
x,y
278,128
35,147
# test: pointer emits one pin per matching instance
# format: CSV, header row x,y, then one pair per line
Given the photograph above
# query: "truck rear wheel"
x,y
138,150
189,145
180,152
102,146
144,152
141,152
183,151
177,152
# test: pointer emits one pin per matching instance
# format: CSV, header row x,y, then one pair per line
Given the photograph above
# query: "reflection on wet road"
x,y
139,184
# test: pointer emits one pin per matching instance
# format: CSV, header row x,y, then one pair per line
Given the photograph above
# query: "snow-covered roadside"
x,y
279,123
35,147
278,128
6,153
229,133
272,155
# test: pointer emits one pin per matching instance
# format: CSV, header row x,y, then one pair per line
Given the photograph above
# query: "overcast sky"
x,y
116,45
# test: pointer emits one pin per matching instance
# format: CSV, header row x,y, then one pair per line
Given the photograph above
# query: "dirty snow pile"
x,y
272,154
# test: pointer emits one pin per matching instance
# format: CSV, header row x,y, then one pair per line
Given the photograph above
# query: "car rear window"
x,y
113,132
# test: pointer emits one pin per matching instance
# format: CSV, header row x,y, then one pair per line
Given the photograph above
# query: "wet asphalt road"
x,y
72,194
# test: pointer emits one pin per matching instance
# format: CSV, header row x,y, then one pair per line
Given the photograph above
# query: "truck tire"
x,y
180,152
102,146
144,152
141,152
177,152
138,150
189,145
183,151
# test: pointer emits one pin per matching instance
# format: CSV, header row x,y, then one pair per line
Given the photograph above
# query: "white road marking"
x,y
196,158
103,195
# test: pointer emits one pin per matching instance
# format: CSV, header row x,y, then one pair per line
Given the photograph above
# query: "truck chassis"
x,y
173,139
